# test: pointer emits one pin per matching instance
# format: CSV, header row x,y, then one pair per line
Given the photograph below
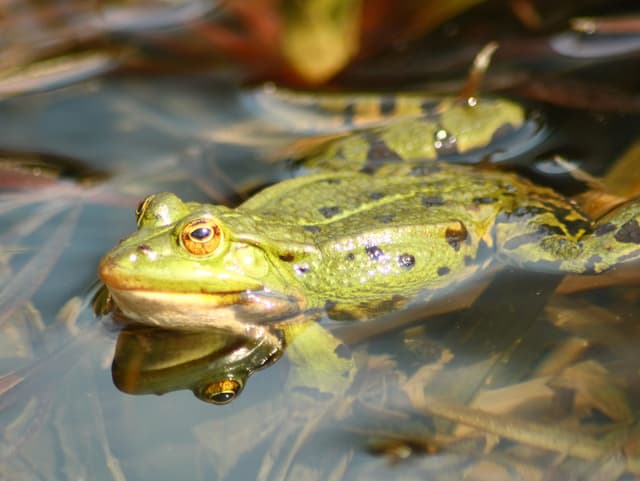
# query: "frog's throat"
x,y
238,312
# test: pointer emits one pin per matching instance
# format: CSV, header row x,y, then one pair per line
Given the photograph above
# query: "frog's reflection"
x,y
214,364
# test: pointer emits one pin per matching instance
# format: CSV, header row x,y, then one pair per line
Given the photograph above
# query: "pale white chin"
x,y
236,312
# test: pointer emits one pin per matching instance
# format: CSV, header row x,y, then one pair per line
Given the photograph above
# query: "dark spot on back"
x,y
603,229
456,235
350,256
311,228
484,200
432,200
376,195
329,212
288,257
444,270
333,181
374,252
379,150
387,104
629,232
342,351
406,260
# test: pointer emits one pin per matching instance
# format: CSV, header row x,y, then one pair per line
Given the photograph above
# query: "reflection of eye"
x,y
221,392
201,237
142,207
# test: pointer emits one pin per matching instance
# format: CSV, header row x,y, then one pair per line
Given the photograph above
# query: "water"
x,y
552,365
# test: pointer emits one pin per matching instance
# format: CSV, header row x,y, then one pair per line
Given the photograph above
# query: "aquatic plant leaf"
x,y
595,389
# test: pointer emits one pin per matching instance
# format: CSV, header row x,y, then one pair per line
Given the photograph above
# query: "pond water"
x,y
526,383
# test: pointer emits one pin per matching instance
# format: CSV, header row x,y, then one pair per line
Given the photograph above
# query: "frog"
x,y
354,244
353,240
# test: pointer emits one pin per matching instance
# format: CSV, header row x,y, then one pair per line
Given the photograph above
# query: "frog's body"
x,y
355,244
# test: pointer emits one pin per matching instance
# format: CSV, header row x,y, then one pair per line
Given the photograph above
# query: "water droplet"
x,y
444,141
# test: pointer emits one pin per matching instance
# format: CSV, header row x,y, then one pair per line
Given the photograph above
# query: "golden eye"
x,y
201,237
142,207
221,392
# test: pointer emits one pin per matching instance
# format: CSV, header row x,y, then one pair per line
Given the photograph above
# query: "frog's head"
x,y
191,265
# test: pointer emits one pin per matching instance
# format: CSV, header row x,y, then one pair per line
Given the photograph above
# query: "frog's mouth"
x,y
170,308
228,310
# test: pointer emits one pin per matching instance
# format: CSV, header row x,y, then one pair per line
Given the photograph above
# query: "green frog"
x,y
359,241
352,243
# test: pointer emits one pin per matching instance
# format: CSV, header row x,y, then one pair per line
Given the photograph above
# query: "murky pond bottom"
x,y
525,377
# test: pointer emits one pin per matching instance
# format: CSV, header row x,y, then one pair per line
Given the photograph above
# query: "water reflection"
x,y
213,364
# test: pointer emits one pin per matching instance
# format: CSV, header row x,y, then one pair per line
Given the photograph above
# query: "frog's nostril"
x,y
144,249
147,251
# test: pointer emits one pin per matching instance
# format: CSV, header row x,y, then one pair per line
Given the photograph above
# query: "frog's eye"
x,y
143,206
201,237
221,392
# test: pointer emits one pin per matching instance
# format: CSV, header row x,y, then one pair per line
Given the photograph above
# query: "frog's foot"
x,y
322,365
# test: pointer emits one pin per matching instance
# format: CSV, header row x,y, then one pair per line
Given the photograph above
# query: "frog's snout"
x,y
112,269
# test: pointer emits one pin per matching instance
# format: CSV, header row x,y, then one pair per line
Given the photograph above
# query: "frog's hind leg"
x,y
615,240
556,241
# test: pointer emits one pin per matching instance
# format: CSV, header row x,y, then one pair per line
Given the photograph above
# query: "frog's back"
x,y
404,228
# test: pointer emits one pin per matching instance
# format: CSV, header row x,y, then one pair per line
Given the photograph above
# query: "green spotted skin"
x,y
375,129
445,129
358,244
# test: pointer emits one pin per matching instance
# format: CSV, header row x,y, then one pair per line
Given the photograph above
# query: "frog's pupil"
x,y
201,233
222,397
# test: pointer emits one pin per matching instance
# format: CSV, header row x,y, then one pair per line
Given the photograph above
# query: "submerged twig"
x,y
530,433
478,69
